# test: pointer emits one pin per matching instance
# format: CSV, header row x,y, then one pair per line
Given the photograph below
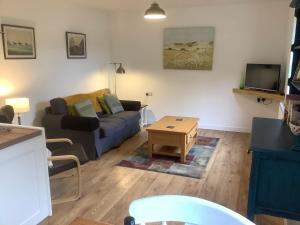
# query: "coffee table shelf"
x,y
166,150
176,131
169,150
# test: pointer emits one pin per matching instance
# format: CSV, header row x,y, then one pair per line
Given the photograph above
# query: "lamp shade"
x,y
20,105
120,69
155,12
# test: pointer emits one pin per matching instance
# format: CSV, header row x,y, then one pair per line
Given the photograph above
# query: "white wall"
x,y
52,74
245,33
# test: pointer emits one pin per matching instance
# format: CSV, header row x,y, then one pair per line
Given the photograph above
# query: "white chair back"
x,y
179,208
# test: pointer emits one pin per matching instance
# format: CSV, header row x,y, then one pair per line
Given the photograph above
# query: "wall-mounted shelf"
x,y
261,94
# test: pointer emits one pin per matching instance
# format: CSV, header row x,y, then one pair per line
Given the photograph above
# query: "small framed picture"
x,y
76,45
18,42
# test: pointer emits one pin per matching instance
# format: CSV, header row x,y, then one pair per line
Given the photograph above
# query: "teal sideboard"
x,y
274,187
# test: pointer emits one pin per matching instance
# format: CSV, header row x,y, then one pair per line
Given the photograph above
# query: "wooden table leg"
x,y
150,149
183,149
150,145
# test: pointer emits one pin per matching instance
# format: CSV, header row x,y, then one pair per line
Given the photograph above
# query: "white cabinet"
x,y
24,180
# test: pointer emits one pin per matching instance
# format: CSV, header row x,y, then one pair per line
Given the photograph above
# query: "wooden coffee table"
x,y
173,136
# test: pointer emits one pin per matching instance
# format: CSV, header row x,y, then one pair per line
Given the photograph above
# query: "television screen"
x,y
262,77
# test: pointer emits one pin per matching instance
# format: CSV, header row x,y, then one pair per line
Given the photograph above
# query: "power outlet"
x,y
149,94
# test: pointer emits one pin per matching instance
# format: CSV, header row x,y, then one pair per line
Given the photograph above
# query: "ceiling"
x,y
125,5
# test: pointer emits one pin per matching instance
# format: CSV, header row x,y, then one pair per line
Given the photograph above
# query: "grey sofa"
x,y
97,135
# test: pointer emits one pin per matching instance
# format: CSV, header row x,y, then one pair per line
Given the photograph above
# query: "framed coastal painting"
x,y
188,48
18,42
76,45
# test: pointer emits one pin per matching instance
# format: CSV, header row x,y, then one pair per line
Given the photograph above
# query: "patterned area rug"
x,y
196,164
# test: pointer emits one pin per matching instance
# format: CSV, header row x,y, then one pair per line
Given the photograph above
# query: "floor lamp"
x,y
119,69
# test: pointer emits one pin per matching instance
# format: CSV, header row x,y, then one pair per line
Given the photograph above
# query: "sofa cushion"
x,y
113,104
73,99
103,104
92,96
111,126
128,116
59,106
71,110
85,108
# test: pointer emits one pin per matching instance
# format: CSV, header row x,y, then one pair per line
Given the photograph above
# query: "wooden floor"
x,y
108,189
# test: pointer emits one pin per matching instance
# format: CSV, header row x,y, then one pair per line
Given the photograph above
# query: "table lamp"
x,y
20,105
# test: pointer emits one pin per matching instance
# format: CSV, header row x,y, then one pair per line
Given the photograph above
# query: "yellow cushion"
x,y
93,97
73,99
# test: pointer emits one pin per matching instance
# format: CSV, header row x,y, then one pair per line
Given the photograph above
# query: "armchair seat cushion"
x,y
60,166
113,103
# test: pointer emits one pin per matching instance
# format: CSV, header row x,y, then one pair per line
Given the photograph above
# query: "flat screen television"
x,y
262,77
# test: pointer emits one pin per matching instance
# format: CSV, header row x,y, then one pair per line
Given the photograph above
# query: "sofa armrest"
x,y
129,105
79,123
52,122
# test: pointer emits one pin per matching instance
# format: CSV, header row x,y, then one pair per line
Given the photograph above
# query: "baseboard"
x,y
225,128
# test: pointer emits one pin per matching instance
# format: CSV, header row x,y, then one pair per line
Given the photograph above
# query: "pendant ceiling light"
x,y
155,12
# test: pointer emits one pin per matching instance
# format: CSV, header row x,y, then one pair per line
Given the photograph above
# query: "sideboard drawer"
x,y
191,135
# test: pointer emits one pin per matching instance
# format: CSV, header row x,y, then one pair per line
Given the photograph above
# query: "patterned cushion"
x,y
85,108
103,104
93,97
113,104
